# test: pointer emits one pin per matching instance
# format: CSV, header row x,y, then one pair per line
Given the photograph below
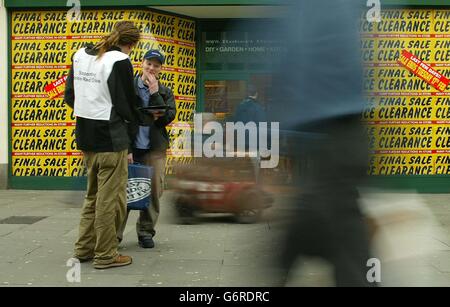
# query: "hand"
x,y
157,115
144,76
152,83
130,158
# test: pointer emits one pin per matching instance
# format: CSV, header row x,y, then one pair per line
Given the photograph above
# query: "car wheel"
x,y
185,213
248,216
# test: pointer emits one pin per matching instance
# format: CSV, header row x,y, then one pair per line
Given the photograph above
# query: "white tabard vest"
x,y
92,96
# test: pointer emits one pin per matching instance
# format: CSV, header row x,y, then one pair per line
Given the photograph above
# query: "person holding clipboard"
x,y
151,143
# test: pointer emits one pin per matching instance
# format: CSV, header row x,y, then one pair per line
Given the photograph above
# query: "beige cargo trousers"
x,y
104,208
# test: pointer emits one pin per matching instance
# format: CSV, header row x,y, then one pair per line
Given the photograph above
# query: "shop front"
x,y
42,38
214,49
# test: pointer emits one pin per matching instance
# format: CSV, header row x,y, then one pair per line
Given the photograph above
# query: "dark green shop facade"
x,y
233,48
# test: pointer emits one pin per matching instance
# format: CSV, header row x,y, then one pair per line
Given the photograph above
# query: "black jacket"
x,y
117,133
159,138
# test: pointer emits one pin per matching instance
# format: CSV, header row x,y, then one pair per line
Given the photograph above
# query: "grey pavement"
x,y
216,251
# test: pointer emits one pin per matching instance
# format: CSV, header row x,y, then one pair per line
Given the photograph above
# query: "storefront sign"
x,y
43,42
408,110
423,71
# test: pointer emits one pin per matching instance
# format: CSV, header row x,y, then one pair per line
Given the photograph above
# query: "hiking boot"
x,y
146,242
119,261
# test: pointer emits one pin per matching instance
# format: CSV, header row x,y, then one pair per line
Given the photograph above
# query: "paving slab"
x,y
216,251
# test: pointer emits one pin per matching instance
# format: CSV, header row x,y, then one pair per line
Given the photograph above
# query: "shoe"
x,y
146,242
120,261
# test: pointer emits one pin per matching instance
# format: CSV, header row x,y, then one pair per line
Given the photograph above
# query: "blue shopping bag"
x,y
139,187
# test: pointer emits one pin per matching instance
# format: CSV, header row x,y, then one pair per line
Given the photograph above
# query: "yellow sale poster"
x,y
407,120
43,42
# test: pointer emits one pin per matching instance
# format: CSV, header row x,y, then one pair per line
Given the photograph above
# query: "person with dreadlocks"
x,y
100,90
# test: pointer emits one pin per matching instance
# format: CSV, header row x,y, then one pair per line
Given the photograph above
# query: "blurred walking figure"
x,y
321,86
100,90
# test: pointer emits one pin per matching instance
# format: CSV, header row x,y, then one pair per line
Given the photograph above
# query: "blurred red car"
x,y
220,185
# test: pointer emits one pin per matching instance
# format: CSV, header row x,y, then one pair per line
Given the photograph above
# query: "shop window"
x,y
222,96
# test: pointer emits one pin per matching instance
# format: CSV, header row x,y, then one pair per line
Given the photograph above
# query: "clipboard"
x,y
154,109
